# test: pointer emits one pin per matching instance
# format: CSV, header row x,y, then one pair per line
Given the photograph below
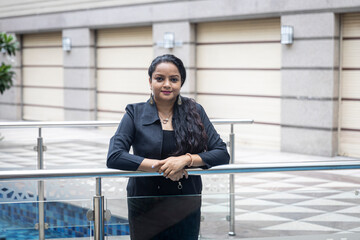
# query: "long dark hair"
x,y
189,130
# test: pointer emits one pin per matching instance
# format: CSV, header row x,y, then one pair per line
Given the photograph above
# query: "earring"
x,y
151,101
179,102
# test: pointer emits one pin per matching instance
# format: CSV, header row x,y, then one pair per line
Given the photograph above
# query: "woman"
x,y
168,133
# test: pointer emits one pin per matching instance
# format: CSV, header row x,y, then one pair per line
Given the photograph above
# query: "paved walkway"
x,y
315,204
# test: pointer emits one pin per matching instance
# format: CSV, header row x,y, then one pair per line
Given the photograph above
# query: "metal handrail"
x,y
43,124
223,169
98,200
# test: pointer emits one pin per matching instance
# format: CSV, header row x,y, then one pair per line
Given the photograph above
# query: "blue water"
x,y
17,222
13,231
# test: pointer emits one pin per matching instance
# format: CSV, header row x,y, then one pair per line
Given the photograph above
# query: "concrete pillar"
x,y
310,80
10,101
184,33
79,75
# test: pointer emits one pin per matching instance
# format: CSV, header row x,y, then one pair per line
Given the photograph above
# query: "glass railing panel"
x,y
69,189
165,217
76,147
309,205
215,206
67,202
65,208
18,220
17,149
63,219
118,225
114,191
68,219
18,209
65,147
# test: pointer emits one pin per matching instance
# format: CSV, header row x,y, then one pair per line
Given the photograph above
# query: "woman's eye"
x,y
174,79
159,79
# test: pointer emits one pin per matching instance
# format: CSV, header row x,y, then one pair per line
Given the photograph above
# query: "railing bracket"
x,y
90,215
46,226
36,148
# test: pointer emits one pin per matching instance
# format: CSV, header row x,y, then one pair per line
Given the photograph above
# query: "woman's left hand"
x,y
179,175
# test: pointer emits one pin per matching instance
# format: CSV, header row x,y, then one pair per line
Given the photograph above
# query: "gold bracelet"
x,y
192,160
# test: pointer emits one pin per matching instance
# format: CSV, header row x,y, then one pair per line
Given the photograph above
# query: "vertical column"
x,y
184,33
310,80
11,99
79,75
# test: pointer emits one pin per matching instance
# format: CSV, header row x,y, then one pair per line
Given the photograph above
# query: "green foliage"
x,y
8,46
6,76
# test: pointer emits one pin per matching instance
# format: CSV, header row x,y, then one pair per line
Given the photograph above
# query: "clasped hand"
x,y
172,167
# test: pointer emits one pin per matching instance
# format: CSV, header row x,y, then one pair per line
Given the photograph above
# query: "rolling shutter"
x,y
43,85
349,139
123,56
238,76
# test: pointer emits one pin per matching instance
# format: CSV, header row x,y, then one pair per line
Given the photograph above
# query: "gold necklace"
x,y
165,120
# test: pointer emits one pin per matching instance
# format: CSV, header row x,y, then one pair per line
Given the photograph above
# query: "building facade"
x,y
304,97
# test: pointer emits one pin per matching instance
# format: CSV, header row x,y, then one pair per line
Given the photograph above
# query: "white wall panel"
x,y
240,82
235,31
349,143
124,37
42,56
123,81
260,109
351,54
132,57
43,77
118,102
350,111
239,56
238,76
44,96
49,39
349,136
123,56
43,113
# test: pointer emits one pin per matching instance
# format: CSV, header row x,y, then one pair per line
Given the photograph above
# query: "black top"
x,y
160,186
168,144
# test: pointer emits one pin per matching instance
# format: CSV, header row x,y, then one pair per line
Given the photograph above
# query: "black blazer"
x,y
140,128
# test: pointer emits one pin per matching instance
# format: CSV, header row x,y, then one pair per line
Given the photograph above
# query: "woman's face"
x,y
165,83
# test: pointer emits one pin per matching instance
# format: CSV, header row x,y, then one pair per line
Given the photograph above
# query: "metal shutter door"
x,y
123,56
349,140
43,85
238,76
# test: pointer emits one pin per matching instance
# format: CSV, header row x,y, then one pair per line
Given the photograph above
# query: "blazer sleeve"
x,y
118,155
216,153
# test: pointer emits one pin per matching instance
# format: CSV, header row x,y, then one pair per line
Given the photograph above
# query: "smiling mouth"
x,y
166,92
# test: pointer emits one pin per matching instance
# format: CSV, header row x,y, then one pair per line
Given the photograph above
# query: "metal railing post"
x,y
40,165
232,187
98,202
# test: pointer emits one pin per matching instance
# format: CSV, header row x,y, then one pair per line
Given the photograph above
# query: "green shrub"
x,y
8,46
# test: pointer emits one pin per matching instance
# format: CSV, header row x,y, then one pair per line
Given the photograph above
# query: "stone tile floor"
x,y
278,205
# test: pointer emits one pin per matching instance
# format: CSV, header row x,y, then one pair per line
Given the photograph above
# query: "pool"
x,y
17,221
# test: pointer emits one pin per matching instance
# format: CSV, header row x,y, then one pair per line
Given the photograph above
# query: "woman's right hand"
x,y
149,165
